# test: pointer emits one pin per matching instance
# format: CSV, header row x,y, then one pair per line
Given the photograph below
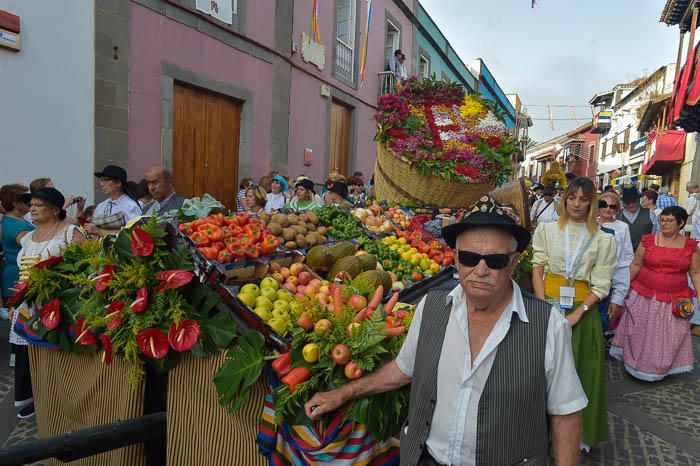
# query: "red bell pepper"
x,y
236,251
231,220
218,219
254,230
219,245
243,219
227,232
211,231
283,364
296,376
231,241
438,257
186,228
435,244
246,239
269,244
199,239
251,252
415,237
422,247
225,256
209,252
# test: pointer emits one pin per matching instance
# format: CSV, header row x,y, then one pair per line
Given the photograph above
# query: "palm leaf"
x,y
240,371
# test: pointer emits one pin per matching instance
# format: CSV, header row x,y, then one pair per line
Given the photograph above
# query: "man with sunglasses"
x,y
489,365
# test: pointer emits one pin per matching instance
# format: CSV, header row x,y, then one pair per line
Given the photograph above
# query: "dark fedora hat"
x,y
486,213
306,183
114,172
53,196
630,195
339,188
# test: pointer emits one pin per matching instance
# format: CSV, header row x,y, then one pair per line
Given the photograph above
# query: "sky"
x,y
561,52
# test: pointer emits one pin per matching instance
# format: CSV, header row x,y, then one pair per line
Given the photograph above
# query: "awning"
x,y
651,112
630,179
667,149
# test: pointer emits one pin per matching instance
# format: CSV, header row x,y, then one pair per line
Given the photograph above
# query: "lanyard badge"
x,y
568,293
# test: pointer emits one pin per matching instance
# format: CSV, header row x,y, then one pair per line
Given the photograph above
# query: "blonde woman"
x,y
255,200
573,262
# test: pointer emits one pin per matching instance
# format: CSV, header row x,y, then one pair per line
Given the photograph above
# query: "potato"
x,y
313,218
301,241
310,239
301,230
292,219
303,218
310,227
274,228
322,230
288,234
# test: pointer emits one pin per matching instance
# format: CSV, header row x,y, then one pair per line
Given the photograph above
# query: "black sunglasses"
x,y
493,261
603,205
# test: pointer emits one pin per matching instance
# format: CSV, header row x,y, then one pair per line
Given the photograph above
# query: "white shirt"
x,y
549,211
124,204
155,205
275,201
452,437
632,216
691,206
620,283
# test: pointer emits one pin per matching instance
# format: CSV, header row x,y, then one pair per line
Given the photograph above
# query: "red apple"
x,y
275,267
304,277
301,289
305,321
296,268
358,302
291,287
352,371
278,276
352,327
340,354
293,279
325,324
315,282
285,272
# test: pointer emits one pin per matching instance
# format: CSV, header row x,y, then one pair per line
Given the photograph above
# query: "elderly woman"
x,y
53,233
120,207
573,263
653,338
357,196
648,201
276,199
304,199
255,199
337,195
332,178
14,199
609,204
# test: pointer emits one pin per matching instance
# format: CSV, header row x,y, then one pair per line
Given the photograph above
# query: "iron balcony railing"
x,y
344,59
387,82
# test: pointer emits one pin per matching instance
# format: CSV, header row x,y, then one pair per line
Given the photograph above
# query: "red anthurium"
x,y
141,302
103,279
106,347
50,314
115,314
141,242
20,291
153,343
85,335
173,279
48,263
184,335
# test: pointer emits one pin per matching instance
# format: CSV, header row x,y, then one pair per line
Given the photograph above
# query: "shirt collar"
x,y
165,201
516,304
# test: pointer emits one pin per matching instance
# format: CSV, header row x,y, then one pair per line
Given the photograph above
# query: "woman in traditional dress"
x,y
653,338
573,262
53,233
305,196
120,207
276,199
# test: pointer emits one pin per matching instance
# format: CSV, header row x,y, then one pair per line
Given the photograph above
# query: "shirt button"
x,y
432,401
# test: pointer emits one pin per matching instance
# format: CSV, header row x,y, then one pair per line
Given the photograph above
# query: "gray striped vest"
x,y
512,416
641,226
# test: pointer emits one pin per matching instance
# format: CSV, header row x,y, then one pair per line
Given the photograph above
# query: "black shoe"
x,y
27,411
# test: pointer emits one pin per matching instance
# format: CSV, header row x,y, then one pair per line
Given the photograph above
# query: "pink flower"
x,y
493,142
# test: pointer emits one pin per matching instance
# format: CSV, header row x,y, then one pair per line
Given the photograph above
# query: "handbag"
x,y
682,308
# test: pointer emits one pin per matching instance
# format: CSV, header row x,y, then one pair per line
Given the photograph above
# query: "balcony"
x,y
387,82
602,122
344,60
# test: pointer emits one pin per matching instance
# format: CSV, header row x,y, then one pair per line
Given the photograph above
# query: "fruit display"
x,y
424,243
226,239
341,224
404,262
399,216
323,259
373,220
296,231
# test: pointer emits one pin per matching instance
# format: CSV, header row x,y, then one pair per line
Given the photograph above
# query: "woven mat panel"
x,y
200,430
76,392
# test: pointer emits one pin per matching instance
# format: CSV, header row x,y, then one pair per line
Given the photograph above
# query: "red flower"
x,y
173,279
397,133
107,347
141,302
468,171
48,263
184,335
114,312
153,343
104,278
493,142
50,314
85,335
141,243
20,291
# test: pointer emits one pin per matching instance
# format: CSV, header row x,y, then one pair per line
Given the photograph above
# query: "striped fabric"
x,y
343,443
436,314
76,392
200,430
517,386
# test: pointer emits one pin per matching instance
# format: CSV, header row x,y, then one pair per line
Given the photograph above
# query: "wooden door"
x,y
339,150
206,134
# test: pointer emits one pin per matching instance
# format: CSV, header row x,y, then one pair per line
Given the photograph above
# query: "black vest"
x,y
641,226
512,413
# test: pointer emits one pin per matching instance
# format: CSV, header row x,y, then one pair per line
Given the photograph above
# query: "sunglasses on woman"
x,y
605,205
493,261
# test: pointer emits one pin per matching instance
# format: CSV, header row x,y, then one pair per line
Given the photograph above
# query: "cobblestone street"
x,y
649,423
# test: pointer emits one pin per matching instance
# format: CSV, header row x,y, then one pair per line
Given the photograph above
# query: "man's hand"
x,y
324,402
614,311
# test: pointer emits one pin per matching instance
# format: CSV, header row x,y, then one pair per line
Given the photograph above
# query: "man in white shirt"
x,y
489,366
160,185
691,205
394,61
544,210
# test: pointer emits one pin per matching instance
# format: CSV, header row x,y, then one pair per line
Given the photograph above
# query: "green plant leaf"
x,y
122,245
240,371
220,328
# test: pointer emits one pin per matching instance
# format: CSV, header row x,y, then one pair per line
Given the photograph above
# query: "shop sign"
x,y
223,10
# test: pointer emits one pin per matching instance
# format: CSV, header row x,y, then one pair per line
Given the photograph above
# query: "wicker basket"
x,y
396,181
515,196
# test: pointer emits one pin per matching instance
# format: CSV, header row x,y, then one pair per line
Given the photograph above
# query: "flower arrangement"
x,y
434,125
129,295
555,176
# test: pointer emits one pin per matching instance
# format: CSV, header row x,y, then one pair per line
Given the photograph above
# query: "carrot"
x,y
389,306
360,315
338,300
377,298
395,331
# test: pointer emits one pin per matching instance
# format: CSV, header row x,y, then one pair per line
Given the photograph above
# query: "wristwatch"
x,y
585,307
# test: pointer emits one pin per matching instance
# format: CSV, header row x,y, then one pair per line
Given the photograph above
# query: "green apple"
x,y
247,299
281,304
280,314
263,312
269,282
251,288
285,295
262,301
296,307
269,293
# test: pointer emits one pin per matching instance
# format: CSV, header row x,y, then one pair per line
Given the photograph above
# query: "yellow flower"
x,y
471,110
